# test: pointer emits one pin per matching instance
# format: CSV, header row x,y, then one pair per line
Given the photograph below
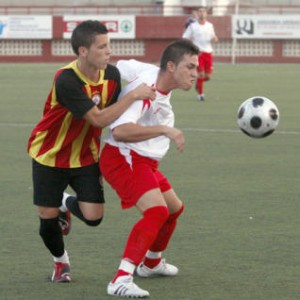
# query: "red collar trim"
x,y
162,92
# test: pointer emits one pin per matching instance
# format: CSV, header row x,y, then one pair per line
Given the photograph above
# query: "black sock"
x,y
51,234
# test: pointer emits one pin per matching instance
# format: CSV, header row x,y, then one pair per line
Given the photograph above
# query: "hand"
x,y
214,39
143,91
176,135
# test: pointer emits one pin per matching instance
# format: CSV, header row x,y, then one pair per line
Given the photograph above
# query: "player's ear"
x,y
171,66
82,51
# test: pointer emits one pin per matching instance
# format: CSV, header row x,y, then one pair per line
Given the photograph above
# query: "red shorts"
x,y
132,175
205,62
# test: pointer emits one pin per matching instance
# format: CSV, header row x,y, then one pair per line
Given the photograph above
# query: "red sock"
x,y
151,262
200,85
120,273
165,233
144,233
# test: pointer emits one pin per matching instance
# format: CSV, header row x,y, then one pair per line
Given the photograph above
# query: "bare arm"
x,y
102,118
132,133
215,39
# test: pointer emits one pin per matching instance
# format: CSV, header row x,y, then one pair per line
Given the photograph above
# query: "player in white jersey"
x,y
137,141
145,113
202,33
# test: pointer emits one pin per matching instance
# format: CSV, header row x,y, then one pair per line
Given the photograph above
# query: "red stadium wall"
x,y
166,29
156,32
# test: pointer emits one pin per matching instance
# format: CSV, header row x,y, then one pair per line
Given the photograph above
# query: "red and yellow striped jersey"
x,y
62,138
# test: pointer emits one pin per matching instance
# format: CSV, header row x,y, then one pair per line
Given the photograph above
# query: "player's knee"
x,y
158,215
93,223
176,215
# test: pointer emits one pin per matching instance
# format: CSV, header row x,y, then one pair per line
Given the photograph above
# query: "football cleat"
x,y
200,97
125,287
162,269
61,272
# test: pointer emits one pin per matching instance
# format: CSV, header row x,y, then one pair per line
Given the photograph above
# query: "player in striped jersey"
x,y
65,143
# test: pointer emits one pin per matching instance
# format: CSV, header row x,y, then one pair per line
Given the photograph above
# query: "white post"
x,y
172,7
234,41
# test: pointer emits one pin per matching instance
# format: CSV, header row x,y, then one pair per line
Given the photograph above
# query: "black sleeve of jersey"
x,y
69,93
113,73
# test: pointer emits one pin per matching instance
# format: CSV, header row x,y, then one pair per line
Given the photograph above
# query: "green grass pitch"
x,y
238,238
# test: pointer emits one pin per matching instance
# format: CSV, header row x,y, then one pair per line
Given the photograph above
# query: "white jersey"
x,y
144,112
201,35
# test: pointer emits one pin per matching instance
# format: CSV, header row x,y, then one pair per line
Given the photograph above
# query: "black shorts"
x,y
49,183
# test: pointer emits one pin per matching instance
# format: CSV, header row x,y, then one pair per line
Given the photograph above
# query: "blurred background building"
x,y
154,24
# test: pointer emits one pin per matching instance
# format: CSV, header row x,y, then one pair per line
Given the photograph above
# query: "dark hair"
x,y
84,34
175,51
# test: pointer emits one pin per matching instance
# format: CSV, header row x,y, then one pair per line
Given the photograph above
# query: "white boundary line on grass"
x,y
217,130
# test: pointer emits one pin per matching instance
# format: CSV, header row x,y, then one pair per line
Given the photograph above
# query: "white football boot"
x,y
162,269
125,287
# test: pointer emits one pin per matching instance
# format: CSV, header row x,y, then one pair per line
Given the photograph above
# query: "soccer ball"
x,y
258,117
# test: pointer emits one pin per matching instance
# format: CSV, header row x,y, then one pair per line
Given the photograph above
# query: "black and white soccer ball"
x,y
258,117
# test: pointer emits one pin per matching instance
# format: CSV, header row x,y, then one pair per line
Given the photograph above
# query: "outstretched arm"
x,y
132,133
102,118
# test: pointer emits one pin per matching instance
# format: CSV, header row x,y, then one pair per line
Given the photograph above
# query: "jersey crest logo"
x,y
96,99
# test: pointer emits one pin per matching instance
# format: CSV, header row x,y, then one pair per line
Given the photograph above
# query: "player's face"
x,y
185,72
98,54
202,13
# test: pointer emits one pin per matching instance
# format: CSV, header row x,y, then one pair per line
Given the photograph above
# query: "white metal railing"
x,y
160,10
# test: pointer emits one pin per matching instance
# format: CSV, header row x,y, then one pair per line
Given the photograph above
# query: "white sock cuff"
x,y
127,266
63,259
153,255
